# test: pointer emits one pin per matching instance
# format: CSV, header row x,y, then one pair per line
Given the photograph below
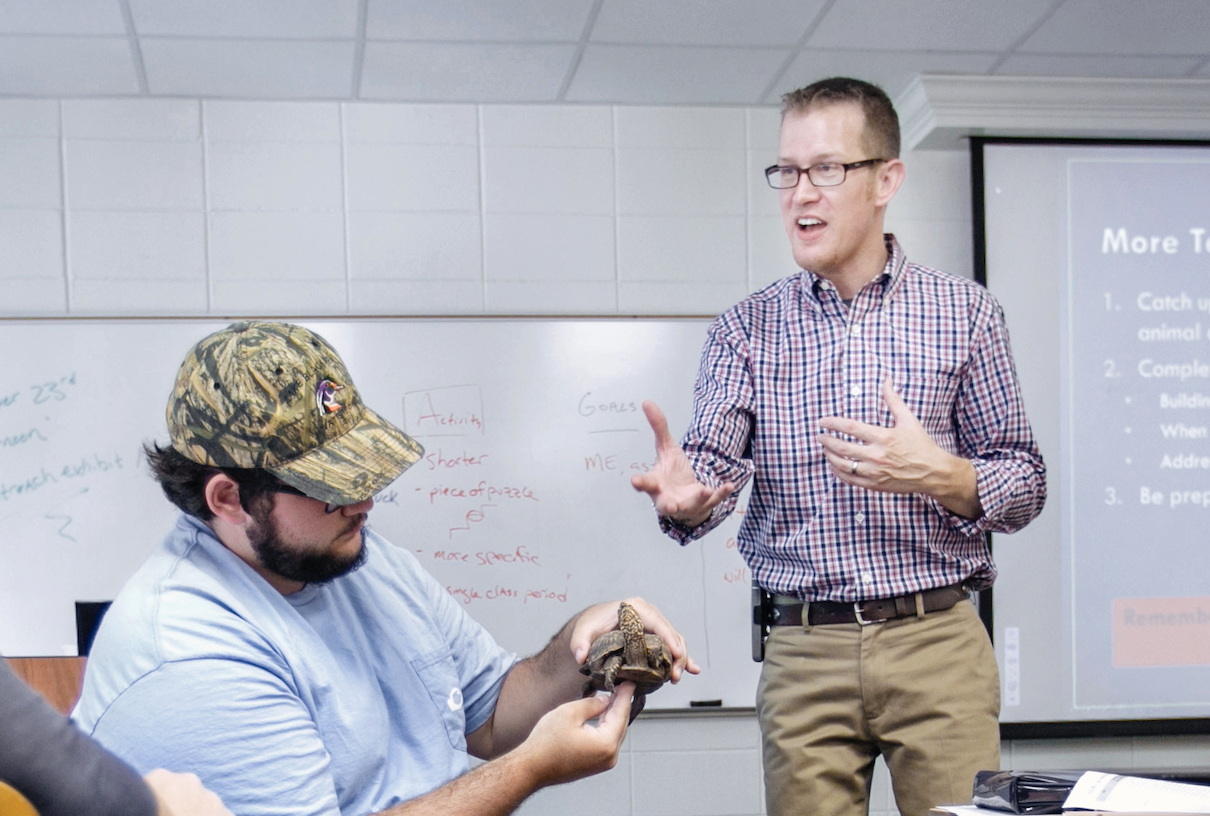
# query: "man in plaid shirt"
x,y
875,405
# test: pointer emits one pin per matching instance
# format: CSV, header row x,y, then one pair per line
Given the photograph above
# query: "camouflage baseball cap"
x,y
276,396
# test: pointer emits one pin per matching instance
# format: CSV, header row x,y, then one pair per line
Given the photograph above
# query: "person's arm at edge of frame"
x,y
98,780
183,794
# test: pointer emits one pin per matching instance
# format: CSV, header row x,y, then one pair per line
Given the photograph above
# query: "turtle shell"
x,y
606,666
627,653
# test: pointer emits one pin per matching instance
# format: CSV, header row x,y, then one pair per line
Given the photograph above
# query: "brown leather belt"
x,y
787,611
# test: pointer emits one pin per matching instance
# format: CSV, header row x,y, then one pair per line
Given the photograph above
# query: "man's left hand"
x,y
597,620
899,459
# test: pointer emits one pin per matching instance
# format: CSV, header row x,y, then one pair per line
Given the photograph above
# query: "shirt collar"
x,y
890,278
896,264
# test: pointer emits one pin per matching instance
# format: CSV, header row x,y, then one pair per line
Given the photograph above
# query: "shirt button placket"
x,y
852,361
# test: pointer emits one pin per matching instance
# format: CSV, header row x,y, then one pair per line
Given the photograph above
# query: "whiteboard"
x,y
521,507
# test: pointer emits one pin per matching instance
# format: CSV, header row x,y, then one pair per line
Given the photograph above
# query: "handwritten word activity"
x,y
521,505
1107,288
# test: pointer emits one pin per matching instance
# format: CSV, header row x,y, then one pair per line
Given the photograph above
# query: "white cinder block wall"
x,y
187,207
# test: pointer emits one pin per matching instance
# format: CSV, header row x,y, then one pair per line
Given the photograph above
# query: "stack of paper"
x,y
1096,793
1110,793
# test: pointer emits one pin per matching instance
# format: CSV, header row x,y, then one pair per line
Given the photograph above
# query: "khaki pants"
x,y
923,692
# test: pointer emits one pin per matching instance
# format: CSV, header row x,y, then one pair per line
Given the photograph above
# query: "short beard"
x,y
278,557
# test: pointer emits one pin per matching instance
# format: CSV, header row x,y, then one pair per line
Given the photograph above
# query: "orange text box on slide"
x,y
1161,632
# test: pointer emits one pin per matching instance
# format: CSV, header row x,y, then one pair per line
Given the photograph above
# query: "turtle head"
x,y
634,648
629,621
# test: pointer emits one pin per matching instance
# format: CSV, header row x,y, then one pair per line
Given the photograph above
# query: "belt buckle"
x,y
857,614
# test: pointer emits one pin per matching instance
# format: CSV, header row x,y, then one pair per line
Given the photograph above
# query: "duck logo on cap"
x,y
325,397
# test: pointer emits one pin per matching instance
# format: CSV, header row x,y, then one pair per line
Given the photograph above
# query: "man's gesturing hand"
x,y
672,484
900,459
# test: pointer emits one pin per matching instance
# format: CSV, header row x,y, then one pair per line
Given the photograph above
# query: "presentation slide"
x,y
1100,254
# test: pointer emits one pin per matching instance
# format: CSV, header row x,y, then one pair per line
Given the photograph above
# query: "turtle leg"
x,y
612,664
636,705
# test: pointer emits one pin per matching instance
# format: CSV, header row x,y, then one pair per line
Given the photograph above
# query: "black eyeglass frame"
x,y
282,487
799,171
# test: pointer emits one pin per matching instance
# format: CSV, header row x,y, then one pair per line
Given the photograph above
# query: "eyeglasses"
x,y
827,174
282,487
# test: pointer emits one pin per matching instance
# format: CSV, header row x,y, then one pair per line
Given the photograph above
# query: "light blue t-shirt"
x,y
346,698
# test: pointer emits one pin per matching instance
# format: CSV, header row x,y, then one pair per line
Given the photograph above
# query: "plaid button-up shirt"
x,y
787,356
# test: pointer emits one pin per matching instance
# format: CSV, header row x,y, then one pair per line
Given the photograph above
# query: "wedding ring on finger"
x,y
853,469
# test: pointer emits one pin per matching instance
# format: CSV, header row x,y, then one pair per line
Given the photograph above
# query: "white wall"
x,y
186,207
147,207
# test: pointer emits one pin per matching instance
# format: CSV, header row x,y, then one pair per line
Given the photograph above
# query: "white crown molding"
x,y
937,111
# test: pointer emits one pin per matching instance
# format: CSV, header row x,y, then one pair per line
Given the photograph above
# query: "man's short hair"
x,y
184,481
881,121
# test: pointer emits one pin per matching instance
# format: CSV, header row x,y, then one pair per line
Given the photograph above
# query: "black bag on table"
x,y
1024,791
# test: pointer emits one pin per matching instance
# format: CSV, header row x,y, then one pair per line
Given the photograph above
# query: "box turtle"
x,y
628,653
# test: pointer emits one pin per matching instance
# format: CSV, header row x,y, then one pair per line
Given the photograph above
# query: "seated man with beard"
x,y
298,662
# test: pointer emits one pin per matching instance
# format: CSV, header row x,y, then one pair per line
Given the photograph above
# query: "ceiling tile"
x,y
315,19
61,17
453,72
1082,65
721,52
1124,27
691,22
940,25
243,69
674,75
892,70
66,66
477,20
